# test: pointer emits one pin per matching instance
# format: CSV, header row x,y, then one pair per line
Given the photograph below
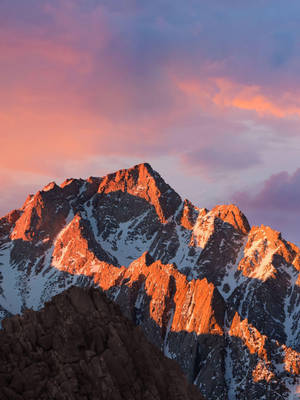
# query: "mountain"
x,y
218,296
93,353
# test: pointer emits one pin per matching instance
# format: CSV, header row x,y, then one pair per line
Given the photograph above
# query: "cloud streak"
x,y
214,87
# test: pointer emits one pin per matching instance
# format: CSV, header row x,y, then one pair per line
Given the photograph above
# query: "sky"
x,y
207,92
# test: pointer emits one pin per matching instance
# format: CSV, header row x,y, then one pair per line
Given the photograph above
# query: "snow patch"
x,y
166,349
183,259
125,244
230,279
10,299
229,379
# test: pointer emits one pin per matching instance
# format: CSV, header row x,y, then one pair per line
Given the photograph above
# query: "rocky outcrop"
x,y
233,216
258,366
81,347
182,318
141,181
266,292
43,216
220,298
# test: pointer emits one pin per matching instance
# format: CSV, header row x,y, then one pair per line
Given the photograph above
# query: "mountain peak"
x,y
231,214
142,181
173,268
50,186
145,166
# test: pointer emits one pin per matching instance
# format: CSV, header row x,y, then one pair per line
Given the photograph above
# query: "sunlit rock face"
x,y
221,298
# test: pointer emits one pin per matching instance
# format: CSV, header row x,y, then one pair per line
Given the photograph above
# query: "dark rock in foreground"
x,y
80,347
216,295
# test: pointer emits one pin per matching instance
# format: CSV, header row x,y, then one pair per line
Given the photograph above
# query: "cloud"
x,y
221,158
280,191
275,202
213,86
81,79
224,93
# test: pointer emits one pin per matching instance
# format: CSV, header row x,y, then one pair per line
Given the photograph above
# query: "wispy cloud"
x,y
214,86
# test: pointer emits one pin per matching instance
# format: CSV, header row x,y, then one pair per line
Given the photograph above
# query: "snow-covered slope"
x,y
219,297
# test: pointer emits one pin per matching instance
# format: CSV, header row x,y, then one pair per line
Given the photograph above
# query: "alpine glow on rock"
x,y
216,295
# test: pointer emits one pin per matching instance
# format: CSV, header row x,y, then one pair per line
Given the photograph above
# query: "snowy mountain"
x,y
221,298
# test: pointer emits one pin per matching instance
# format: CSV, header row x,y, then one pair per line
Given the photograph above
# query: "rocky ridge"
x,y
79,346
221,298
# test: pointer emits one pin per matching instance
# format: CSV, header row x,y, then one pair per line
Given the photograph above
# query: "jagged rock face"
x,y
268,294
266,363
233,216
203,286
145,183
184,319
81,347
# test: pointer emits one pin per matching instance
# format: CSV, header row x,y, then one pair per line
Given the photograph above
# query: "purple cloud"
x,y
276,203
214,87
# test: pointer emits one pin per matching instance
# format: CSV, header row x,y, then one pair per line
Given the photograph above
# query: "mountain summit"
x,y
219,297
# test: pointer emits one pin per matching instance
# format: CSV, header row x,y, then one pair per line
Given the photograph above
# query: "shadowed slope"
x,y
185,274
80,347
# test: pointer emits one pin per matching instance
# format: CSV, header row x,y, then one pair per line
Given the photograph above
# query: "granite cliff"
x,y
218,296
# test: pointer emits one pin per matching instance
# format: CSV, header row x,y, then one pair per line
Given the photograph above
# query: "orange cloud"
x,y
225,93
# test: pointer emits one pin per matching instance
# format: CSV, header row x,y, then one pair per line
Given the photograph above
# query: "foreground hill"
x,y
81,347
221,298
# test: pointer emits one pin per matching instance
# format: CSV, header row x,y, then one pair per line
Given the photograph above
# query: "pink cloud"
x,y
225,93
82,81
76,92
